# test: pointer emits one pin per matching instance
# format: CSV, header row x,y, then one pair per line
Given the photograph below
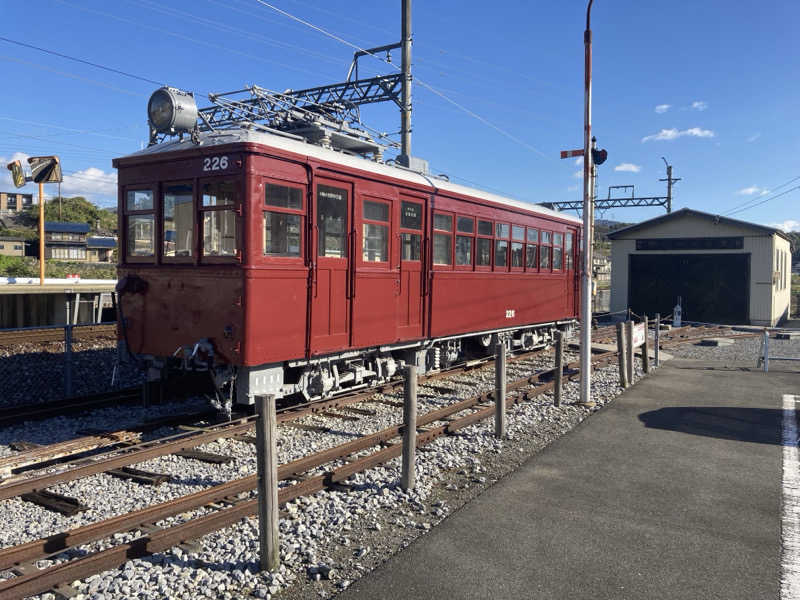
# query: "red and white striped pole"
x,y
588,221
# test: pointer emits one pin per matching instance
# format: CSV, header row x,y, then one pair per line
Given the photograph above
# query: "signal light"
x,y
599,156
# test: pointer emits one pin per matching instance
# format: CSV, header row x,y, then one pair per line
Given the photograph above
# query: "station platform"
x,y
672,491
25,303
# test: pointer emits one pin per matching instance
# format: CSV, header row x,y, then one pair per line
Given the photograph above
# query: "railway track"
x,y
438,422
56,334
235,496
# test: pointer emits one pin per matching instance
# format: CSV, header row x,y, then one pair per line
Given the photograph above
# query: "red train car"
x,y
283,267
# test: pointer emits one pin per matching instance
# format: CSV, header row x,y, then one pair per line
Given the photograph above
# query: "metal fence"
x,y
66,364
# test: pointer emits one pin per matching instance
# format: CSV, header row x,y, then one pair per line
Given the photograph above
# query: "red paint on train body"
x,y
273,254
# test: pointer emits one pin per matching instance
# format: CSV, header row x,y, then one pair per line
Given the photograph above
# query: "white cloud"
x,y
89,183
754,137
578,174
672,134
752,191
787,225
699,105
629,167
662,108
579,161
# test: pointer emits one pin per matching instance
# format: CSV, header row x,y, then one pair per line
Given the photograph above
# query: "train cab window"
x,y
558,251
376,234
178,220
544,252
283,226
218,218
568,256
411,241
442,242
140,225
331,222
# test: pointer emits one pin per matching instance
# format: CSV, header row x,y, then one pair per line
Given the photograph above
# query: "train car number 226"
x,y
215,163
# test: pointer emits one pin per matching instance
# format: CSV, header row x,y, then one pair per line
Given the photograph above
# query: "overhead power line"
x,y
797,187
745,204
419,82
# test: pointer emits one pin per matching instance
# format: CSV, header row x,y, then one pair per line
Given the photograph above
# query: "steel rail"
x,y
33,412
51,334
60,542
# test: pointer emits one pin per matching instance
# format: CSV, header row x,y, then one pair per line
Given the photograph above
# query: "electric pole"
x,y
405,109
588,234
669,181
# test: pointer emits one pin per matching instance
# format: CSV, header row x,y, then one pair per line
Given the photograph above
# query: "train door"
x,y
376,287
571,268
331,281
410,305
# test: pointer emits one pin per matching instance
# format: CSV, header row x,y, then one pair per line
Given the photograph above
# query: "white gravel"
x,y
327,540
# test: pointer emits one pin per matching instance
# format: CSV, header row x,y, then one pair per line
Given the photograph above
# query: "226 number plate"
x,y
215,163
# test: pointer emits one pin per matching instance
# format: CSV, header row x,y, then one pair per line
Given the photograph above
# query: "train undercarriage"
x,y
327,376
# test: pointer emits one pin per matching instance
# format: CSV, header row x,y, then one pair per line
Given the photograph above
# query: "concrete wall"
x,y
767,306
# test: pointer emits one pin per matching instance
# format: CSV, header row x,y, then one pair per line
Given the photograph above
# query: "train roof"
x,y
209,139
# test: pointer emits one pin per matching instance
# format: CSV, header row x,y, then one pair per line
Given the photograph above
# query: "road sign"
x,y
571,153
45,169
638,335
17,174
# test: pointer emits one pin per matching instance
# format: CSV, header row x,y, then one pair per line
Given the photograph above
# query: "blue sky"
x,y
712,86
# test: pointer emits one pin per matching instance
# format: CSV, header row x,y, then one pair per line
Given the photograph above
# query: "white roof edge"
x,y
230,136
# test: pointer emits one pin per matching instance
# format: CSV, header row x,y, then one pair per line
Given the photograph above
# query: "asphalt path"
x,y
673,491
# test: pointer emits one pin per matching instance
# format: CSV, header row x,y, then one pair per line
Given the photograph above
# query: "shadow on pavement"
x,y
757,425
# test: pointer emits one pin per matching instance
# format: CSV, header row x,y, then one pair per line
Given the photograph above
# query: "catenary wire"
x,y
747,202
417,81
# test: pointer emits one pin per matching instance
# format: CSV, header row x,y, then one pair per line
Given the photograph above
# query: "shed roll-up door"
x,y
714,287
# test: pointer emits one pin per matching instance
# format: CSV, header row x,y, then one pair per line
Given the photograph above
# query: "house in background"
x,y
12,246
100,249
14,202
65,241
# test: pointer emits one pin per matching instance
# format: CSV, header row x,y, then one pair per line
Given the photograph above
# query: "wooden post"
x,y
500,390
656,348
645,350
408,478
629,350
267,458
67,361
559,368
622,354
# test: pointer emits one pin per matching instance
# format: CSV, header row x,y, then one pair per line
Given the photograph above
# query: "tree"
x,y
74,210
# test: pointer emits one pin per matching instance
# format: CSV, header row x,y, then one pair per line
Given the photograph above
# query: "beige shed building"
x,y
723,270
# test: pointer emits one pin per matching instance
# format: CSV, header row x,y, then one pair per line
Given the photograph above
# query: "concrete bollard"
x,y
500,390
622,356
267,458
559,368
408,478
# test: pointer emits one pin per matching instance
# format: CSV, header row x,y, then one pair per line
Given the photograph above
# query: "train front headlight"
x,y
172,111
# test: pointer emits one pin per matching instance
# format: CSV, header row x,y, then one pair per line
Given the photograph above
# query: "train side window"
x,y
442,242
375,246
485,228
283,230
218,218
517,233
517,254
530,257
282,234
544,252
139,225
501,230
483,255
501,253
178,220
410,241
332,222
568,256
464,243
558,251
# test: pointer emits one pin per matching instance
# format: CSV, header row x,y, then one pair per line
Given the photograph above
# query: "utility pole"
x,y
669,181
588,234
41,233
405,109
